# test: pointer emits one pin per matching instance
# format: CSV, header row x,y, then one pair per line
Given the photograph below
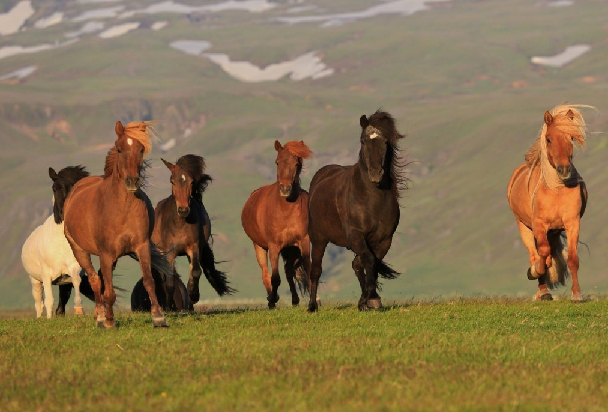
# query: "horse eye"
x,y
141,151
548,140
118,150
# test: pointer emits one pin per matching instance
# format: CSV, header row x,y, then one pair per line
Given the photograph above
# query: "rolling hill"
x,y
457,75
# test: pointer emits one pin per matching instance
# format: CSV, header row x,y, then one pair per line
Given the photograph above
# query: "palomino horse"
x,y
46,254
182,228
110,216
547,197
357,207
275,217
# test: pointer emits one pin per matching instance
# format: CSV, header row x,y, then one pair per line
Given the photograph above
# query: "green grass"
x,y
488,354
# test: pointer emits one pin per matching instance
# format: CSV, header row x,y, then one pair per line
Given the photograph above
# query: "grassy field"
x,y
473,355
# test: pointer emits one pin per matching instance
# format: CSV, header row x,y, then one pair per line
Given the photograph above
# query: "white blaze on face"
x,y
183,178
129,141
373,135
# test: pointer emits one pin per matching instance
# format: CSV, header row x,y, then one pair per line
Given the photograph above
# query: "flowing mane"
x,y
195,166
384,122
575,128
73,173
298,149
139,131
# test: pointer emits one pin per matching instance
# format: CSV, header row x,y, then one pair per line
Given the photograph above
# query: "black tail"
x,y
216,278
385,271
159,261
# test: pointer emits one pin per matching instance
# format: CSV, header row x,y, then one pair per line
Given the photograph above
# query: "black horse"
x,y
357,207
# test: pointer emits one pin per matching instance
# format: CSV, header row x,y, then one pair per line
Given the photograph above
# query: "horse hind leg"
x,y
48,296
291,259
317,252
37,294
65,291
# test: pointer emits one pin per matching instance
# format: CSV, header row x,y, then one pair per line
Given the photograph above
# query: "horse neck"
x,y
549,174
362,181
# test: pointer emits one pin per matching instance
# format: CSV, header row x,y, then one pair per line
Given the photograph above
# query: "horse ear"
x,y
548,118
169,165
277,145
570,114
363,121
52,174
119,128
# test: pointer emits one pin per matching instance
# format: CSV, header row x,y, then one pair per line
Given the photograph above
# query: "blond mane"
x,y
575,127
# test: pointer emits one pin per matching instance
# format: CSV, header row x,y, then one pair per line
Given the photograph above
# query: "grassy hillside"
x,y
457,77
455,355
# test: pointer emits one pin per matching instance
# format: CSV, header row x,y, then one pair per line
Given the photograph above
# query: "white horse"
x,y
46,254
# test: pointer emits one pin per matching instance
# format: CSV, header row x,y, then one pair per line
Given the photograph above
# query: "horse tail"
x,y
216,278
558,272
159,261
385,271
302,279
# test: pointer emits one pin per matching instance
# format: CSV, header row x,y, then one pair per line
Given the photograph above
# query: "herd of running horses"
x,y
355,206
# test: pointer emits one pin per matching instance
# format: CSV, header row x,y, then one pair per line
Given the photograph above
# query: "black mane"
x,y
73,174
195,166
62,185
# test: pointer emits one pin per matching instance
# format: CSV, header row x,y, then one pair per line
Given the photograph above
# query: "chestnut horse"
x,y
110,216
548,197
183,228
357,207
275,217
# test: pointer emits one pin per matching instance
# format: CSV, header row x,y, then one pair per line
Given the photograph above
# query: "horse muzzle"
x,y
285,190
183,211
564,172
375,176
133,183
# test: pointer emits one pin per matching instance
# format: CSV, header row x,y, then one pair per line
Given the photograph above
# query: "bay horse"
x,y
110,216
357,207
275,217
46,254
183,228
548,197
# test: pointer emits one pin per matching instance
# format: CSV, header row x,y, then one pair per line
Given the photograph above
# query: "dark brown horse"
x,y
110,216
548,197
275,217
357,207
183,228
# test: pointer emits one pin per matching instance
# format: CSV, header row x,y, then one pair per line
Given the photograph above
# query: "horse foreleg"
x,y
145,262
527,237
65,291
194,293
543,248
169,283
572,233
106,263
37,294
318,250
261,256
275,280
84,260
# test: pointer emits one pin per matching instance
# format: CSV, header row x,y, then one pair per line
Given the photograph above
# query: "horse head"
x,y
560,136
374,149
181,187
289,165
62,184
131,145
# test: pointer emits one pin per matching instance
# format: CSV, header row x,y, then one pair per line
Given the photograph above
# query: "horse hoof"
x,y
546,296
78,310
312,307
576,298
159,322
374,303
109,324
532,275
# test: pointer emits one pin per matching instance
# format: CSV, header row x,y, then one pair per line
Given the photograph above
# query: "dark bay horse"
x,y
548,197
183,228
275,217
357,207
110,216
